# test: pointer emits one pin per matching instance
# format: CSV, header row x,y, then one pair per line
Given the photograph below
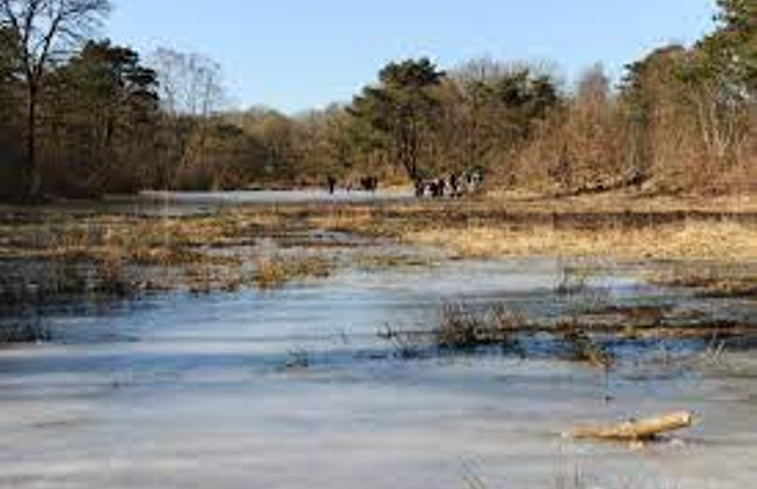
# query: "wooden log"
x,y
633,430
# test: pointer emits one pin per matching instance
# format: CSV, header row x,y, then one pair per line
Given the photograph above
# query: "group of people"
x,y
455,186
368,184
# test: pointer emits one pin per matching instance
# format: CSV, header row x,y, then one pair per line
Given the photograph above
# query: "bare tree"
x,y
190,82
192,94
42,31
593,88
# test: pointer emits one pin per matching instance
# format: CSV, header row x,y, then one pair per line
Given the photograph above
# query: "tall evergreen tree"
x,y
402,109
102,106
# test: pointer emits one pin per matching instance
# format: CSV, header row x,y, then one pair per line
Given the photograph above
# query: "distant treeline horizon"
x,y
82,117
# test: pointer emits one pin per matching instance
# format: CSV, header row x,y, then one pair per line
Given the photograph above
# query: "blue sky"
x,y
298,54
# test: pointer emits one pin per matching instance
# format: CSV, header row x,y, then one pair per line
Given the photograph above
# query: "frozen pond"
x,y
293,388
187,203
279,196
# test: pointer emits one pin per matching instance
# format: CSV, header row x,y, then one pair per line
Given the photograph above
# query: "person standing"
x,y
331,181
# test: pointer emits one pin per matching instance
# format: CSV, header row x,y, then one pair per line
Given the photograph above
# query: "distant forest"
x,y
81,117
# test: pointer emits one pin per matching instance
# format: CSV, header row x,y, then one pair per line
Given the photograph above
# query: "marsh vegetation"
x,y
331,290
56,254
493,256
347,315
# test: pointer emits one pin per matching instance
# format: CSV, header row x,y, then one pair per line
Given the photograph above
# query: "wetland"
x,y
342,342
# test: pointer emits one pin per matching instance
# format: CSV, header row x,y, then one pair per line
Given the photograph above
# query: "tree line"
x,y
82,117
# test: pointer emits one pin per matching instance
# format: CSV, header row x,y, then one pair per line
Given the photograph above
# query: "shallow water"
x,y
293,388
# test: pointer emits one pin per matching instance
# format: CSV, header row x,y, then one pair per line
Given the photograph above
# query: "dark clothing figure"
x,y
369,184
420,188
432,189
454,186
441,184
331,181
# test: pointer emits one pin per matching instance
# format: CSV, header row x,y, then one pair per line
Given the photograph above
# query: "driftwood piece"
x,y
634,430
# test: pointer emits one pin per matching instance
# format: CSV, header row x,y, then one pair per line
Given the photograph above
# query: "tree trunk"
x,y
33,176
633,430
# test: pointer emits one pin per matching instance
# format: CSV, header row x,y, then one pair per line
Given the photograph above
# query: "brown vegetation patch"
x,y
710,281
592,338
687,240
276,271
461,327
118,254
377,261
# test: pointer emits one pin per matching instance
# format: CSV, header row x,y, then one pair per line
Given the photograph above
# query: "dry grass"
x,y
276,271
712,281
151,239
344,218
89,255
489,227
688,240
462,327
375,261
622,201
617,224
581,346
93,252
56,280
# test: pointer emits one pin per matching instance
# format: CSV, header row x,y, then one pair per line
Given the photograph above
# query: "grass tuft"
x,y
276,271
